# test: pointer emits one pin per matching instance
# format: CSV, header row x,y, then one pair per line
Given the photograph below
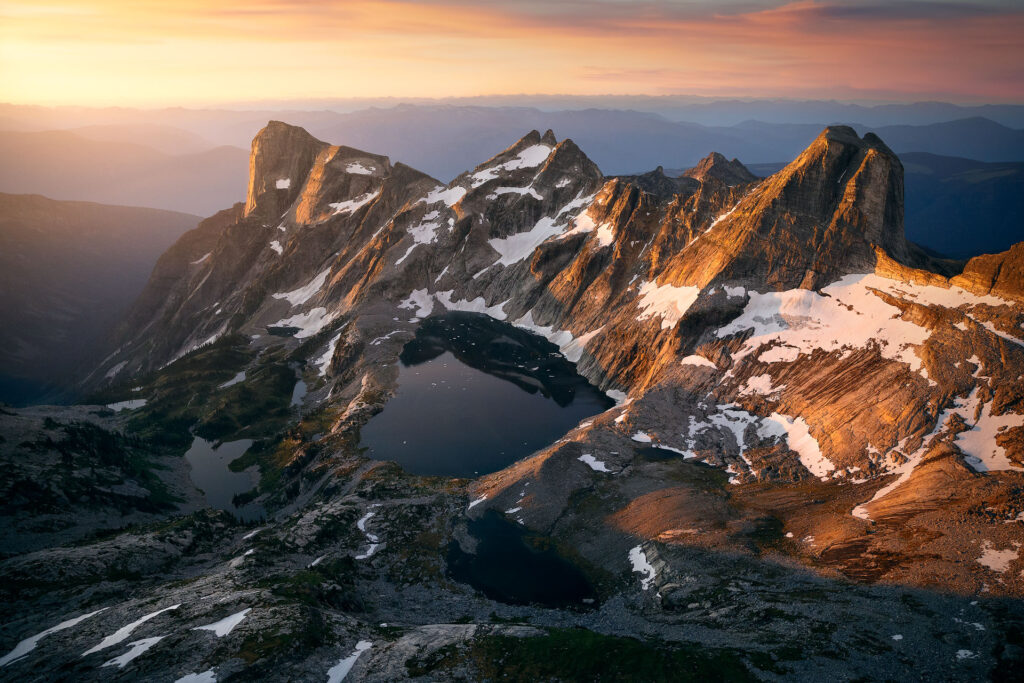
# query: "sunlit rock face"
x,y
781,328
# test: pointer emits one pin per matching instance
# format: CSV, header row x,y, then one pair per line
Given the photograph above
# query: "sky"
x,y
202,52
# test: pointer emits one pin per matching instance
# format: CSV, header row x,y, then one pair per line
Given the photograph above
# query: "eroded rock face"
x,y
281,158
791,312
997,274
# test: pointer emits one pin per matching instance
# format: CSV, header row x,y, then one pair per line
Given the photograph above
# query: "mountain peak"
x,y
846,135
715,165
281,158
549,138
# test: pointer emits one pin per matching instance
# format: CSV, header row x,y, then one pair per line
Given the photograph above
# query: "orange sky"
x,y
157,52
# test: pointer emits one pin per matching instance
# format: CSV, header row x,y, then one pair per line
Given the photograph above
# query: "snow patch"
x,y
981,451
337,673
734,292
324,361
276,246
621,398
760,384
26,646
699,361
226,625
477,305
122,634
424,233
780,354
136,649
116,369
352,205
133,404
515,190
667,302
570,347
283,183
419,300
515,248
442,194
593,463
306,292
799,438
638,560
531,157
372,538
849,313
240,377
309,323
356,168
998,560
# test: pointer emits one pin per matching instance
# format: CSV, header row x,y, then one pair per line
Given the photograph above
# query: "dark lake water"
x,y
208,470
514,566
475,395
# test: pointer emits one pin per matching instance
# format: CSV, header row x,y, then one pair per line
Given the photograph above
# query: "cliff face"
x,y
999,274
781,329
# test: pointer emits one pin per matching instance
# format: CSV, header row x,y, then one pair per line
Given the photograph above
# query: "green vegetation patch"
x,y
187,395
576,654
108,459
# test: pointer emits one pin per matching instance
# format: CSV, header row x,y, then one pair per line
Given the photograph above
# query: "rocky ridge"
x,y
825,403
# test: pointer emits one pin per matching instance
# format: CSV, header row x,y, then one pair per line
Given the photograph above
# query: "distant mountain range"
x,y
190,160
110,167
68,270
703,110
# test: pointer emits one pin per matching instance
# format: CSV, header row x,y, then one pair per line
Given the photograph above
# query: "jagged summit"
x,y
715,165
281,156
658,183
538,225
826,214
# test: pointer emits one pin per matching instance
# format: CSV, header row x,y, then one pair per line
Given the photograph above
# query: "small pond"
x,y
511,565
208,470
475,395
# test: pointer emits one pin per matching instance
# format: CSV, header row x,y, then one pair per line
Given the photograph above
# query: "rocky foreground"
x,y
814,468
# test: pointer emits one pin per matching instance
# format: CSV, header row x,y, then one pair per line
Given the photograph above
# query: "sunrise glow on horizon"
x,y
155,53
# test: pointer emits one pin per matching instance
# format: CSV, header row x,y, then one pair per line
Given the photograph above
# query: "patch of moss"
x,y
767,532
330,584
109,457
700,476
577,654
187,395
